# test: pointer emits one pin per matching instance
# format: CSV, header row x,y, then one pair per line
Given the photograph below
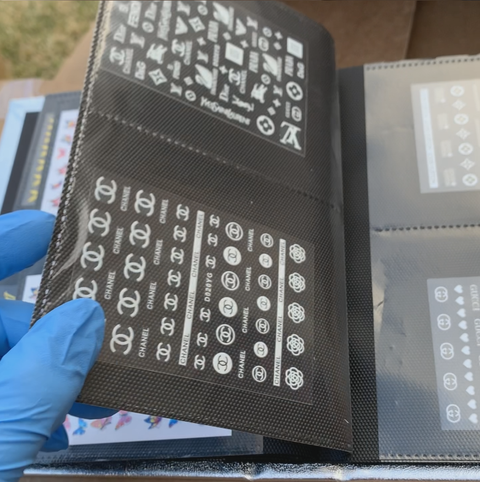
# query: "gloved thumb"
x,y
41,377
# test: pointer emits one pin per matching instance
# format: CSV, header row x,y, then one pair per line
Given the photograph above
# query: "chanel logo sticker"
x,y
99,224
222,363
140,234
225,334
232,256
105,192
121,340
129,303
92,256
88,291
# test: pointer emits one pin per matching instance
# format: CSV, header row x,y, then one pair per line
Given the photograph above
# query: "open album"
x,y
279,248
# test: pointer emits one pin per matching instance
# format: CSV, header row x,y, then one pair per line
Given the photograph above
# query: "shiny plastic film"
x,y
202,208
422,157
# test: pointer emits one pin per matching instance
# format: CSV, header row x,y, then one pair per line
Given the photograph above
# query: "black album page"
x,y
203,209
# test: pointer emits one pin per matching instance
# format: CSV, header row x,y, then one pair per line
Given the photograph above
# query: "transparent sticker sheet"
x,y
423,147
202,209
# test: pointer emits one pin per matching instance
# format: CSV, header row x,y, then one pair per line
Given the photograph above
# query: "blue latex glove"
x,y
41,370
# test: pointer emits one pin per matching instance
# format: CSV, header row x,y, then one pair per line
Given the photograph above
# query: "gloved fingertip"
x,y
75,332
24,239
81,410
37,216
57,441
82,311
85,308
26,216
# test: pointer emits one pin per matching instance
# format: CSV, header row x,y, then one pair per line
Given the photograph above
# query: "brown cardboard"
x,y
72,72
445,28
364,30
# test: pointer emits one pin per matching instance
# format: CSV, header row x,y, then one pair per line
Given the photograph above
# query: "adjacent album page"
x,y
412,153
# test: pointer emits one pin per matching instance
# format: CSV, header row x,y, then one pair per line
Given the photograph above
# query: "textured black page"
x,y
410,145
259,346
358,270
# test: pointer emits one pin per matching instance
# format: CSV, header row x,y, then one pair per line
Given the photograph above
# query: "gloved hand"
x,y
41,370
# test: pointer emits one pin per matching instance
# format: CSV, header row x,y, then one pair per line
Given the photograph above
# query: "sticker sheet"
x,y
447,132
455,319
218,58
197,293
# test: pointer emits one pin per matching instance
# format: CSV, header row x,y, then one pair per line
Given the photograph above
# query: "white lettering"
x,y
143,343
241,364
110,283
117,243
248,278
245,320
251,232
158,252
152,290
125,198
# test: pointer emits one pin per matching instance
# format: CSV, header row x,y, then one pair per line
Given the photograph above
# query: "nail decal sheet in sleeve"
x,y
194,292
447,133
205,217
218,58
455,318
